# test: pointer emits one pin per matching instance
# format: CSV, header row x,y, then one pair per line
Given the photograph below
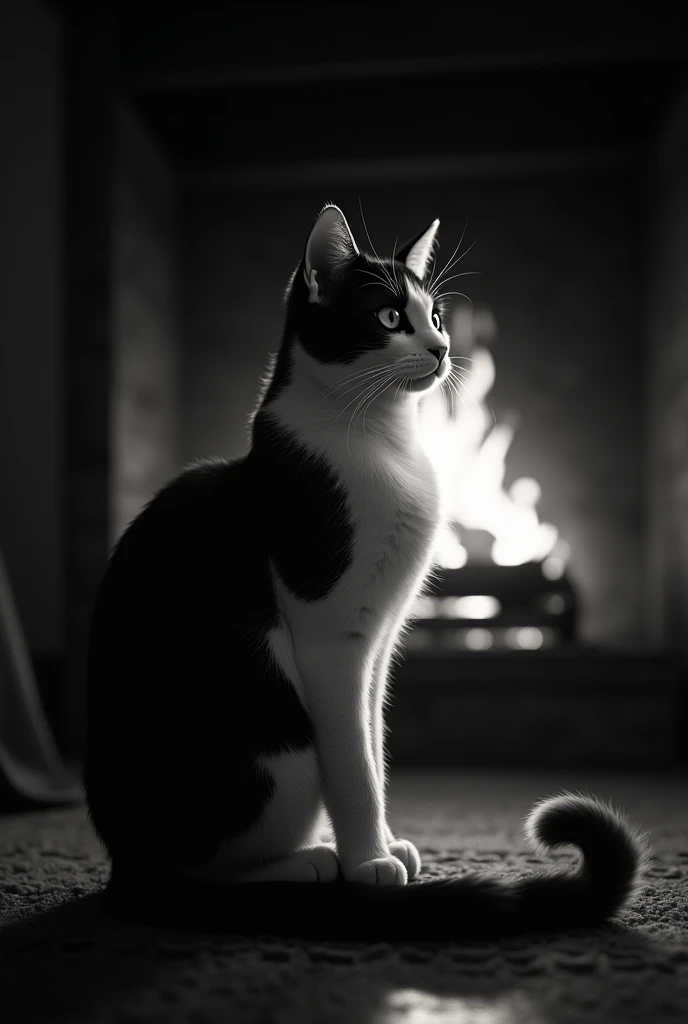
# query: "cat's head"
x,y
364,322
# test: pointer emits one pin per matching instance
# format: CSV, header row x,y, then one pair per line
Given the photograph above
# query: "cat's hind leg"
x,y
311,864
283,844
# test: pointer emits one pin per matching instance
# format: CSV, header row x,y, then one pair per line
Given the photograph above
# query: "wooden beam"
x,y
416,169
209,79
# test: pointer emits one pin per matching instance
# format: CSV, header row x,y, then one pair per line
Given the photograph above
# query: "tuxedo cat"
x,y
243,636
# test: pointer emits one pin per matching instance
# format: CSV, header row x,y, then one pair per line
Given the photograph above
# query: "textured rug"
x,y
62,960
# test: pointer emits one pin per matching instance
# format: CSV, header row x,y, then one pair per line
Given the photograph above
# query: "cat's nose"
x,y
439,354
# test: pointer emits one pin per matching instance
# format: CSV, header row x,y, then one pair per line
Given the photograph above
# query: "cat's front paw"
x,y
380,871
407,853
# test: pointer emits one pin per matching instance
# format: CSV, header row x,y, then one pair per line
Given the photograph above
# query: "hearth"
x,y
483,607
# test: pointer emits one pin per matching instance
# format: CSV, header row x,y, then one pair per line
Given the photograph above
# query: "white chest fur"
x,y
392,502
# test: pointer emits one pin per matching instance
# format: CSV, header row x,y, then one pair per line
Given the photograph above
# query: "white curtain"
x,y
31,769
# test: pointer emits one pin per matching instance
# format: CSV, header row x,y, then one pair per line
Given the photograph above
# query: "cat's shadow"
x,y
76,963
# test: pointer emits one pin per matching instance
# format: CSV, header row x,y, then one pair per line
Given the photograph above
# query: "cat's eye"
x,y
388,317
436,321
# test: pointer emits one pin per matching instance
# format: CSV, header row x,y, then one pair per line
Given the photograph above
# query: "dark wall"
x,y
121,338
146,345
31,394
667,450
560,259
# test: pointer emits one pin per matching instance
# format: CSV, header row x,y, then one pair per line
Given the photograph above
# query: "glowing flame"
x,y
469,449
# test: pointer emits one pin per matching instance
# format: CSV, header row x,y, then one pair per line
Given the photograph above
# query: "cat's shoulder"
x,y
200,494
200,477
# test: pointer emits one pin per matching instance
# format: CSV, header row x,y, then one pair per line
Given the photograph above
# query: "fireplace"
x,y
501,581
496,669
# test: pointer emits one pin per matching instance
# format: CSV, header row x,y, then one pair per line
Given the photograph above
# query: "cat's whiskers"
x,y
463,373
378,283
348,378
463,295
446,385
441,277
455,389
382,265
394,266
448,265
385,282
367,400
465,387
465,273
362,383
369,403
369,391
368,386
459,366
372,273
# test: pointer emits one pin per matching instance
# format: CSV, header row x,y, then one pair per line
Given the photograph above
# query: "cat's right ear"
x,y
417,254
330,247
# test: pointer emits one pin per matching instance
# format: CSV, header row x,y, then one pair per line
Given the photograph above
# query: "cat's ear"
x,y
330,247
417,253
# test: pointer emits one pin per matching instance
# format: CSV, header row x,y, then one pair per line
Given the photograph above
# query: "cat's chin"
x,y
419,384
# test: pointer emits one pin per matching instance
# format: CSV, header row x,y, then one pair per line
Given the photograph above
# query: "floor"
x,y
61,959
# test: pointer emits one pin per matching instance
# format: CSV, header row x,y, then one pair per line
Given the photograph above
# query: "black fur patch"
x,y
182,695
311,536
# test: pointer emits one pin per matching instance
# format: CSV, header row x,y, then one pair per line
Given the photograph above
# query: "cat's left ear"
x,y
417,253
330,247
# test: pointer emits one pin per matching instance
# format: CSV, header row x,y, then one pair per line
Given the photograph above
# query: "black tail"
x,y
614,859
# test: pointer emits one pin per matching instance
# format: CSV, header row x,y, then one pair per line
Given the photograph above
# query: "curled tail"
x,y
614,857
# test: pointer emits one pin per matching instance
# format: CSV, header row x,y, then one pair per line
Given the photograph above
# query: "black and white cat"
x,y
242,641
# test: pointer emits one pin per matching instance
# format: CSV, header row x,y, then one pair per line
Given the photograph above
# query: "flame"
x,y
469,450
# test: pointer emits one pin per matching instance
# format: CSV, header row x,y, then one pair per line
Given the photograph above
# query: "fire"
x,y
469,449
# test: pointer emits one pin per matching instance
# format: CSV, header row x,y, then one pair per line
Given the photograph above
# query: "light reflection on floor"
x,y
413,1006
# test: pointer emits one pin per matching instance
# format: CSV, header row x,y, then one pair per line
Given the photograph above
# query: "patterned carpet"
x,y
61,960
